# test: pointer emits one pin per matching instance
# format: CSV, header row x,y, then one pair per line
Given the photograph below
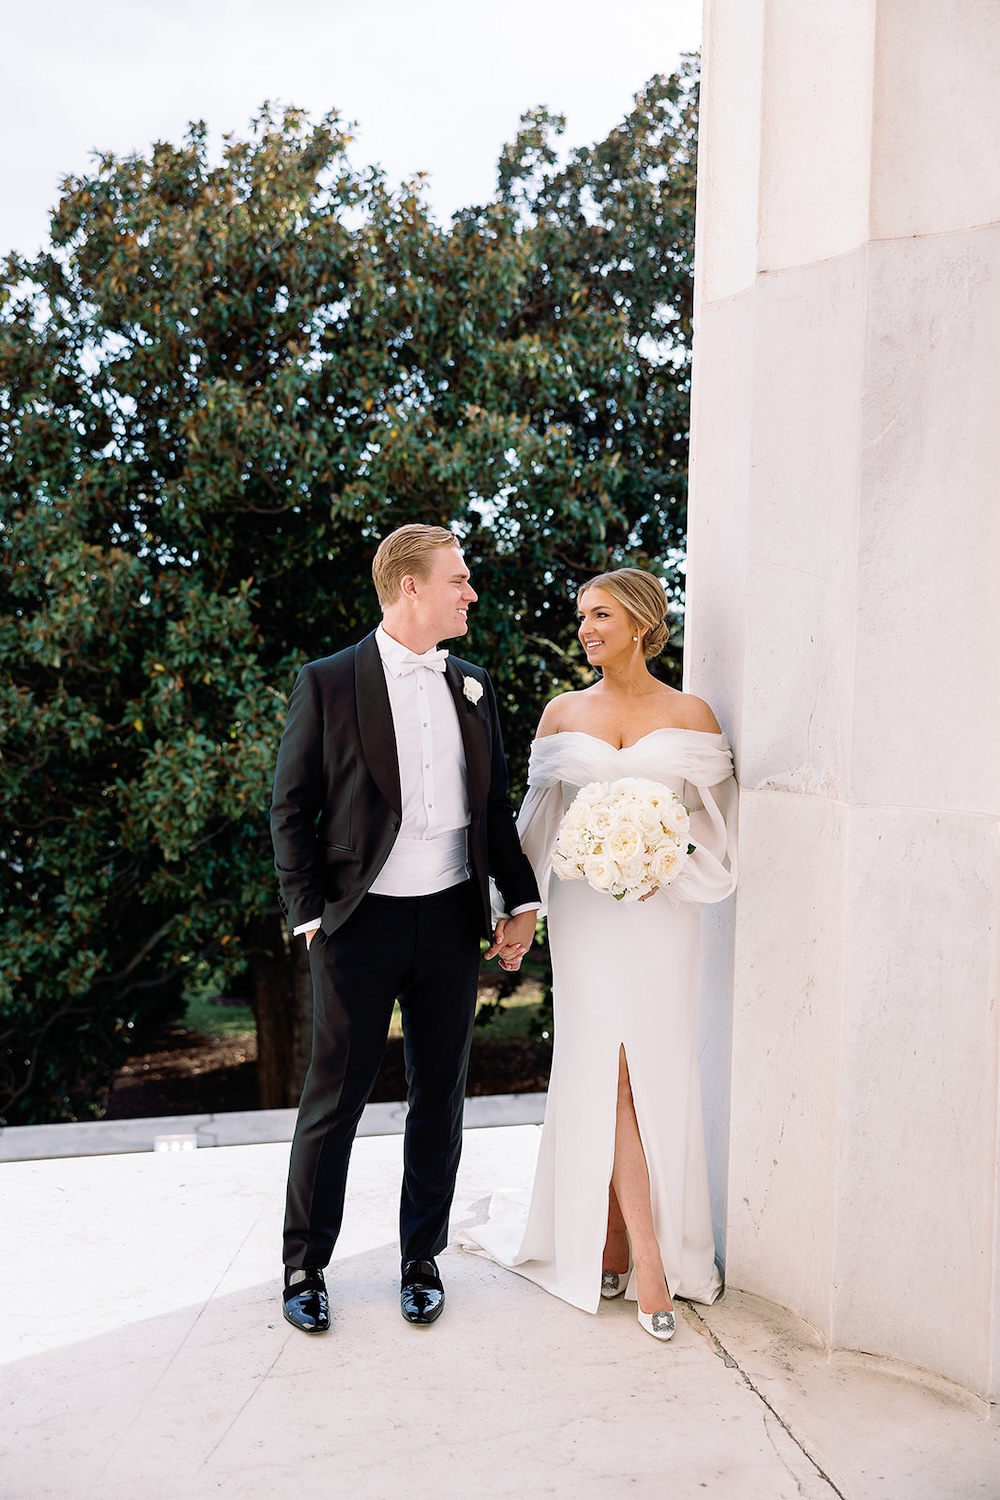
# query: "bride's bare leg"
x,y
616,1244
630,1184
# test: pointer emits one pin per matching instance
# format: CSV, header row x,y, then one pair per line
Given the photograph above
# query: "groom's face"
x,y
445,594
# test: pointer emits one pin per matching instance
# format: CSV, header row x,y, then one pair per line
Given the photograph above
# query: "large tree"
x,y
220,385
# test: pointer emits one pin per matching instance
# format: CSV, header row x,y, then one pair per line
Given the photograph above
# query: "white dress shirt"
x,y
431,852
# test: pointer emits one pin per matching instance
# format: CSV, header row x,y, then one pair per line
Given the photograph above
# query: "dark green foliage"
x,y
220,386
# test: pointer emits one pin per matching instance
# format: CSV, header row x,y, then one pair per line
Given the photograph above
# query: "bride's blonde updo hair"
x,y
643,597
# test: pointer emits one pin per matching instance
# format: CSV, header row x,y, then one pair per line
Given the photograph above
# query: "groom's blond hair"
x,y
407,550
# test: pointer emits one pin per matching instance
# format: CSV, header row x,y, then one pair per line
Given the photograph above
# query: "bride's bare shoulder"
x,y
690,712
559,714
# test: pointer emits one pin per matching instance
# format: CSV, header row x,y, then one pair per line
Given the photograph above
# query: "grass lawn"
x,y
517,1020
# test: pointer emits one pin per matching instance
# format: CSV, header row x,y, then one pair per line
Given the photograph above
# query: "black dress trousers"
x,y
423,951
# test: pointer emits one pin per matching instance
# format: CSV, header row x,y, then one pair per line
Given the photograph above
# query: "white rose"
x,y
567,868
633,879
568,834
575,845
472,688
600,872
593,792
633,871
647,818
675,819
624,841
601,820
666,863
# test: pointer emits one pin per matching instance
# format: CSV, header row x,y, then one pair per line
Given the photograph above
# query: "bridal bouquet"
x,y
625,837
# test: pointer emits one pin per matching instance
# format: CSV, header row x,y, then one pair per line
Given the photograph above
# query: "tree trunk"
x,y
281,995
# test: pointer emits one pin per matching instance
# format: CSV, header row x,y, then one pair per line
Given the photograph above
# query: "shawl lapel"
x,y
378,738
470,720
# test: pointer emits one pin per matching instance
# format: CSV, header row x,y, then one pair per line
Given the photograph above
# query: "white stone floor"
x,y
143,1356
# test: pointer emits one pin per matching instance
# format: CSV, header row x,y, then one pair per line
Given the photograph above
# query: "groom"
x,y
390,814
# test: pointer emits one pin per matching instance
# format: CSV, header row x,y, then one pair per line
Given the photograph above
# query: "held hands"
x,y
512,938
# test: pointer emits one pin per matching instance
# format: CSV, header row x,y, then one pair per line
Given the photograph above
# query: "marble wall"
x,y
844,621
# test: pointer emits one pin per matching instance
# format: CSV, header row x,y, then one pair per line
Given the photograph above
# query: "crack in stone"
x,y
733,1364
769,1421
242,1408
174,1355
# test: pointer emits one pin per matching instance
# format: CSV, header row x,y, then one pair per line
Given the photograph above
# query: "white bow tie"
x,y
433,660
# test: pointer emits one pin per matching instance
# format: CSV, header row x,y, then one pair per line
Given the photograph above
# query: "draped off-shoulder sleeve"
x,y
541,813
709,874
698,765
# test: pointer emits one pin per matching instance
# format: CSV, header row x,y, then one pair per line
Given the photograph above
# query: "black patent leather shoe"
x,y
306,1304
421,1295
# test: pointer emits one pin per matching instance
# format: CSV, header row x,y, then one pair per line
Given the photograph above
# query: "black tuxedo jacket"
x,y
337,807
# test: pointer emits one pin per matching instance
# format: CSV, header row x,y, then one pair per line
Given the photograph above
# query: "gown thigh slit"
x,y
625,979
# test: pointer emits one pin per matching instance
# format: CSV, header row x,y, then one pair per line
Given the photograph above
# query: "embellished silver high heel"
x,y
612,1283
662,1325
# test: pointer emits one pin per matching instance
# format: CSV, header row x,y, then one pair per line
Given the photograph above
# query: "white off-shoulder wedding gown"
x,y
624,975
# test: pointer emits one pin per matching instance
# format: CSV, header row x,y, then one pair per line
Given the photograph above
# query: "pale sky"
x,y
434,85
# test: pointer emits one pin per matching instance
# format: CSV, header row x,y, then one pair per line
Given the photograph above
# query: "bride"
x,y
620,1199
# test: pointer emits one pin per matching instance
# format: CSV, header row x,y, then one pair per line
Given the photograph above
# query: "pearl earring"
x,y
635,637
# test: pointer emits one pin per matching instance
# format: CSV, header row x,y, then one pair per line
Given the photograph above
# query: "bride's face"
x,y
607,632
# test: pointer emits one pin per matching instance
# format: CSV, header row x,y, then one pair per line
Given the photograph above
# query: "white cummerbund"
x,y
419,867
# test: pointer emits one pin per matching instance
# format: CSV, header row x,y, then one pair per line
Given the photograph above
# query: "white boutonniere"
x,y
472,688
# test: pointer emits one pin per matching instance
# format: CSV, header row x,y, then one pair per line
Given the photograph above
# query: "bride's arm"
x,y
542,809
540,815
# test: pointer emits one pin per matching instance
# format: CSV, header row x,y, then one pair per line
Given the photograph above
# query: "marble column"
x,y
844,621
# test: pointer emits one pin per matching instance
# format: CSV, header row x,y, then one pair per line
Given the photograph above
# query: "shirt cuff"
x,y
307,926
529,906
